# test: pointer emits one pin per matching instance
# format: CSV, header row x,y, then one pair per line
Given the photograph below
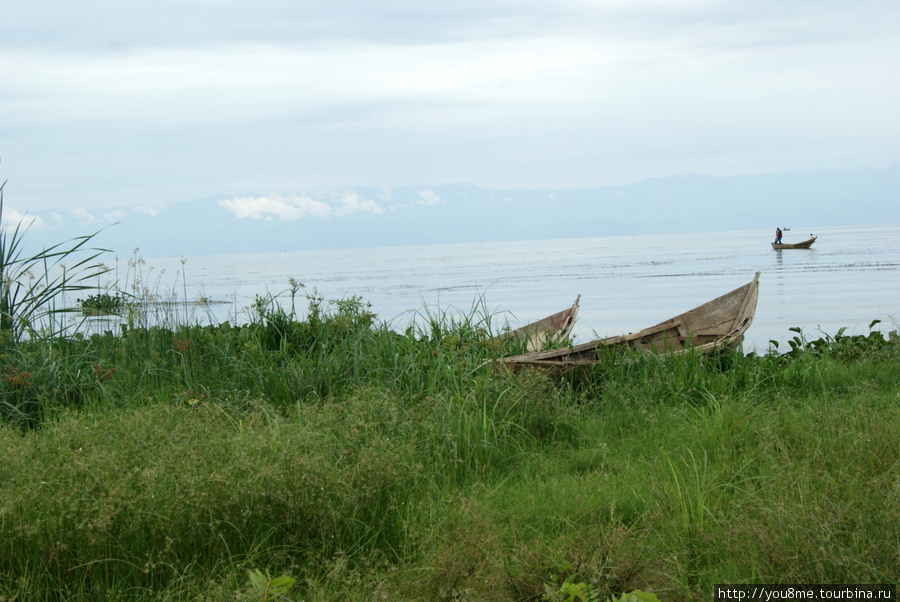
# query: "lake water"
x,y
849,277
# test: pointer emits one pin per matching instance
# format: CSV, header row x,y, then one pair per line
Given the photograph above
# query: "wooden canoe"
x,y
716,325
797,245
552,329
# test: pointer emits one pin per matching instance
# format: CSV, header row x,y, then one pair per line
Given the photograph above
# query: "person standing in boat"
x,y
777,236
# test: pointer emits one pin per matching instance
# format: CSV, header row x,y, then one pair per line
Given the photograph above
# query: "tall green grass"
x,y
168,463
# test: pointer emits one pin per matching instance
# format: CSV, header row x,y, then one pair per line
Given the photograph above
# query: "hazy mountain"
x,y
464,213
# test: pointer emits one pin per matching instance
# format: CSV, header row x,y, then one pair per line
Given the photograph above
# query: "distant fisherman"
x,y
777,236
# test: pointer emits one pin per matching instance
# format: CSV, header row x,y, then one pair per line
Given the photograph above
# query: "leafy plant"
x,y
840,345
577,591
570,591
102,303
637,596
268,586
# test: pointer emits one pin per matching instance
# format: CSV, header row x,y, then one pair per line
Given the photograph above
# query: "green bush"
x,y
102,303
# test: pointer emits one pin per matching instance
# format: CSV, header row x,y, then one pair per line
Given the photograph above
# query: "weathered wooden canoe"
x,y
797,245
552,329
716,325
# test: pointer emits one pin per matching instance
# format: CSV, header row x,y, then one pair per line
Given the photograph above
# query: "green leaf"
x,y
637,596
262,582
257,579
575,591
281,585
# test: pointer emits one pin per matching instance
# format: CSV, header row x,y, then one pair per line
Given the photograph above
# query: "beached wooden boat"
x,y
716,325
797,245
552,329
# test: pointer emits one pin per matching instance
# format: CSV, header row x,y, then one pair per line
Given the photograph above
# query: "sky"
x,y
132,106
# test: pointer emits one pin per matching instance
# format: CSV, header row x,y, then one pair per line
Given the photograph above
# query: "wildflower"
x,y
101,373
181,346
18,379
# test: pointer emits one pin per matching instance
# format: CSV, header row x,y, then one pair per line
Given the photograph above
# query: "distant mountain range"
x,y
354,217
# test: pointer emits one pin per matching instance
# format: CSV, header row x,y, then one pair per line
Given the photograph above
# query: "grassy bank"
x,y
198,462
317,454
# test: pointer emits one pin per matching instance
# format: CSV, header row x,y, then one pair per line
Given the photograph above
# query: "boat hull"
x,y
714,326
555,328
797,245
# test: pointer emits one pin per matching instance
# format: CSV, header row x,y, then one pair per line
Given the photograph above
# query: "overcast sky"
x,y
138,103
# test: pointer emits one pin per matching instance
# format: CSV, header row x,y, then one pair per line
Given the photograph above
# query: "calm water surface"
x,y
849,277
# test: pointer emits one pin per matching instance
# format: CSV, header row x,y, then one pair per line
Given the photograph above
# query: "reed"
x,y
31,283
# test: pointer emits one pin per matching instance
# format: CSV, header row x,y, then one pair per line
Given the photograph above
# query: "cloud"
x,y
292,207
13,218
84,216
227,84
427,196
566,94
114,215
275,206
146,209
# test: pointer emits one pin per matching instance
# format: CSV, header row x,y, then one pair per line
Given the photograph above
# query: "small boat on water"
x,y
797,245
714,326
552,329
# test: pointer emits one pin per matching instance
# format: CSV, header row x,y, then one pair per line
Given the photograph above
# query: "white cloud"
x,y
239,83
146,209
575,93
275,206
115,215
427,196
13,219
292,207
347,202
84,216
